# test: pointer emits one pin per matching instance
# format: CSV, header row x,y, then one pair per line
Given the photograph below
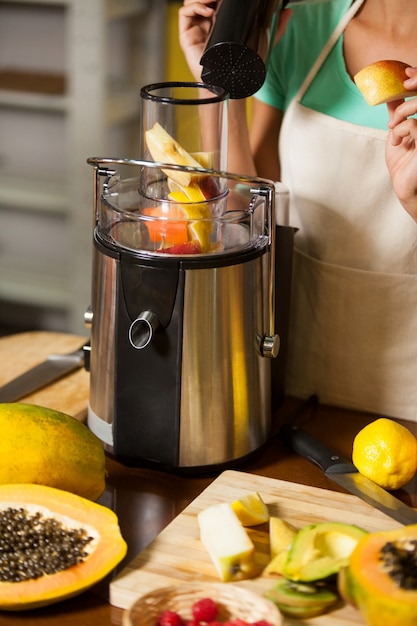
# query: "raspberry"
x,y
204,610
170,618
261,622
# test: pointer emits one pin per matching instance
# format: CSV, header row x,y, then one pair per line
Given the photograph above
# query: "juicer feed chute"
x,y
183,316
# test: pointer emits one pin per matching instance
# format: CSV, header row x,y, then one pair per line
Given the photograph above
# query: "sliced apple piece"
x,y
190,247
165,149
383,81
209,187
206,159
227,542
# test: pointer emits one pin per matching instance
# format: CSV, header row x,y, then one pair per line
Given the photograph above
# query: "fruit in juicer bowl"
x,y
180,223
168,226
383,81
165,149
190,247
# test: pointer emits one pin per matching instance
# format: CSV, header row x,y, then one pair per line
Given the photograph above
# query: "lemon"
x,y
251,510
386,452
201,228
200,231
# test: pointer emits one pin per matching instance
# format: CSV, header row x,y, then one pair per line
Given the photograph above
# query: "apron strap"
x,y
329,45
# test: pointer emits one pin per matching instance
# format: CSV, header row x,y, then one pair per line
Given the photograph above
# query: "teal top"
x,y
332,91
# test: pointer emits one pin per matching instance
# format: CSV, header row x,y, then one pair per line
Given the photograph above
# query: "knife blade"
x,y
345,474
54,367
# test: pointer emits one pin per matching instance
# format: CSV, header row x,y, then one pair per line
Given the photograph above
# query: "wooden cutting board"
x,y
21,351
177,554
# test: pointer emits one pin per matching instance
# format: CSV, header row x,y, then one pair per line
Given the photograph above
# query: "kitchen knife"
x,y
345,474
56,366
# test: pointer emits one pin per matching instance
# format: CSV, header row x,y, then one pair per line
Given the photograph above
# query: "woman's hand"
x,y
401,147
195,21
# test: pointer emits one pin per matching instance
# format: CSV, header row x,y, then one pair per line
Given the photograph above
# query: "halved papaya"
x,y
52,529
381,577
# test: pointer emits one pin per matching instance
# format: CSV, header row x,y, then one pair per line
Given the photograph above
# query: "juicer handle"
x,y
270,343
270,346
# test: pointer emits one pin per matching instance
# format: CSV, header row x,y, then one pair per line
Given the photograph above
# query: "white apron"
x,y
353,337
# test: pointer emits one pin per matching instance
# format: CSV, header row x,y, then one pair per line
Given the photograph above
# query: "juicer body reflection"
x,y
182,344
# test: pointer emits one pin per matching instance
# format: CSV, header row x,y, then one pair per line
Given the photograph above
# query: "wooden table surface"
x,y
146,500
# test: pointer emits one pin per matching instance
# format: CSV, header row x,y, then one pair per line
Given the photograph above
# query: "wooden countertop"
x,y
146,500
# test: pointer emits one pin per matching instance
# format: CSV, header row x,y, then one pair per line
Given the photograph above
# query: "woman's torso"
x,y
353,336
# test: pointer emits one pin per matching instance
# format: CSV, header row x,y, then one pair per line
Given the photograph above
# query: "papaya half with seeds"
x,y
53,545
381,577
47,447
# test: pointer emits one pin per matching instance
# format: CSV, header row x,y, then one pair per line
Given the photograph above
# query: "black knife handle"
x,y
309,447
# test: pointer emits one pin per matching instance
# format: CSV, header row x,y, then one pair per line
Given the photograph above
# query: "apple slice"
x,y
209,186
206,159
227,542
190,247
383,81
165,149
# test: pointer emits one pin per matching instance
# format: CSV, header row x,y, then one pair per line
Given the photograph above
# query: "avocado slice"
x,y
320,550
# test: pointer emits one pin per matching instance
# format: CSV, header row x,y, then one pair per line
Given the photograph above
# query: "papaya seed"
x,y
399,560
32,546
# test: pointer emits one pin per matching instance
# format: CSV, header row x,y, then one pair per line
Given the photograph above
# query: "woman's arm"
x,y
264,134
253,152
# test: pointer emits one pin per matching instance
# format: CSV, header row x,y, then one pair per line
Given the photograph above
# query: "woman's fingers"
x,y
407,129
400,110
194,22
